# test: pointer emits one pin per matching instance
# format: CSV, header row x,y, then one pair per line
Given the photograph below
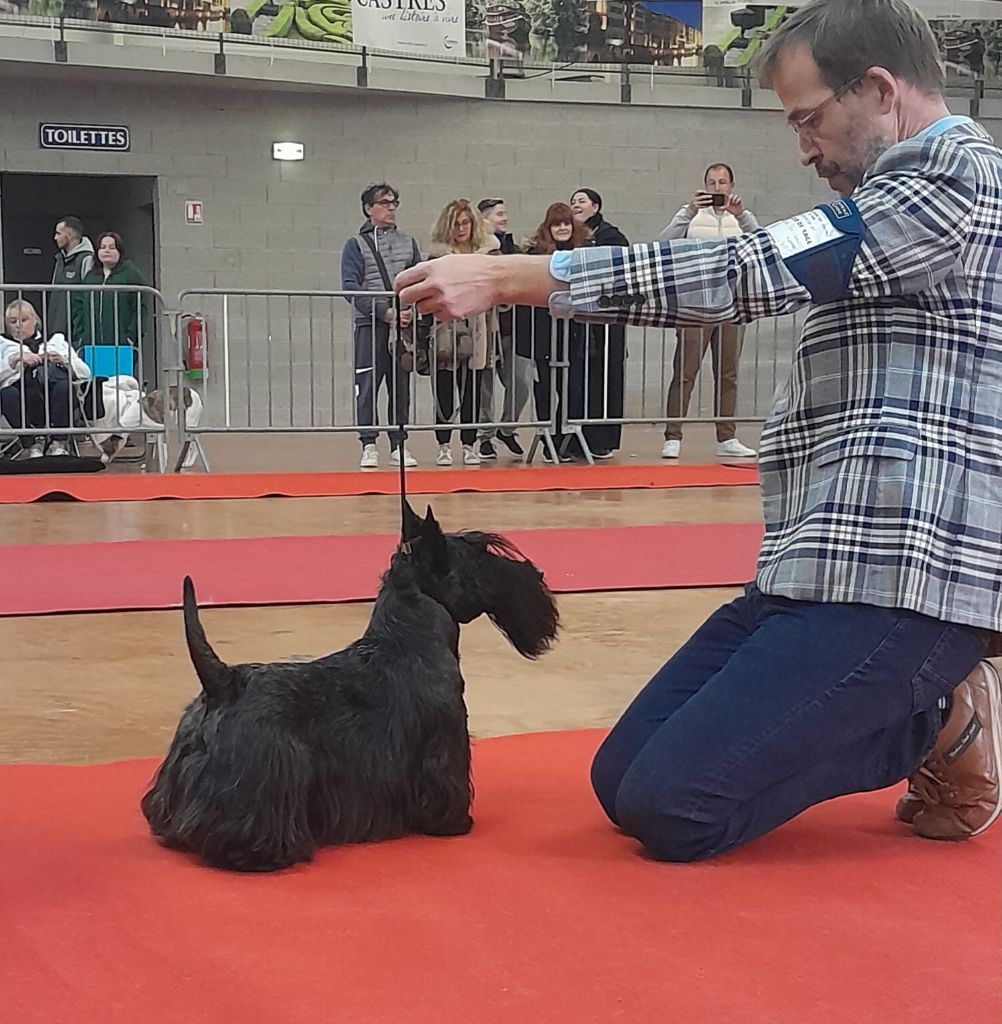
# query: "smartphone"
x,y
719,199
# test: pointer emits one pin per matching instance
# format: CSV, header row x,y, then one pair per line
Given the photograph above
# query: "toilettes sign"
x,y
103,137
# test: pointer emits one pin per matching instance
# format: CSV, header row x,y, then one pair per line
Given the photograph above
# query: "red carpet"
x,y
512,479
542,914
132,575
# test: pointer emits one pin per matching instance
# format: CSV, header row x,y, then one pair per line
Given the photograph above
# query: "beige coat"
x,y
483,327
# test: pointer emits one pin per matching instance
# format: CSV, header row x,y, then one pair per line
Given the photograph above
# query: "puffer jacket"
x,y
56,345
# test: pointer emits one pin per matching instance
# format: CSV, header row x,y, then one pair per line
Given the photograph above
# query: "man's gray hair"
x,y
848,37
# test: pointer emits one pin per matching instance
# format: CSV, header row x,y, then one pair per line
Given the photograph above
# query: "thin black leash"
x,y
405,544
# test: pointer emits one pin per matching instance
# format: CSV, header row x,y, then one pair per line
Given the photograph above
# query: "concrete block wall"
x,y
283,225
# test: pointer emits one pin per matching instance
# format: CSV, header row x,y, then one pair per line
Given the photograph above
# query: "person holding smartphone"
x,y
713,212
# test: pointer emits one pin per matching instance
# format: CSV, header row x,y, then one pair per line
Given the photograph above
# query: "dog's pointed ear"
x,y
215,676
434,539
412,525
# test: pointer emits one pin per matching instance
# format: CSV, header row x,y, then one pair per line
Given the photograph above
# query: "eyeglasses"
x,y
806,125
390,204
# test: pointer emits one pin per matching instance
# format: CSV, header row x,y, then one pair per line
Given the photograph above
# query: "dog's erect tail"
x,y
214,675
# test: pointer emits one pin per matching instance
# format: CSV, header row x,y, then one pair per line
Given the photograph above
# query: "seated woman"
x,y
36,378
104,317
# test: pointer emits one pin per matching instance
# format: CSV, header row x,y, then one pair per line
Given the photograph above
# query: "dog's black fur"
x,y
270,762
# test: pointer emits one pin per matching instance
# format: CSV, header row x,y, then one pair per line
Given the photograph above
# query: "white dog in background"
x,y
127,410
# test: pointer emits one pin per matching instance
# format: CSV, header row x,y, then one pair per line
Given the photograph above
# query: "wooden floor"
x,y
91,688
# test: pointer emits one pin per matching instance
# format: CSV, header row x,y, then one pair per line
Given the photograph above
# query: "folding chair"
x,y
120,361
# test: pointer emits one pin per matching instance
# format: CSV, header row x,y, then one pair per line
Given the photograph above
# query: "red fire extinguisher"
x,y
196,348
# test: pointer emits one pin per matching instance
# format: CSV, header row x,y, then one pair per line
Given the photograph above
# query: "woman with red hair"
x,y
534,329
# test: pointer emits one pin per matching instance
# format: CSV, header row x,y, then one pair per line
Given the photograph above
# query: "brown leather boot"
x,y
959,782
909,805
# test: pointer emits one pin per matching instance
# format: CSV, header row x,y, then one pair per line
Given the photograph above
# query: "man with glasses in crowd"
x,y
855,660
370,262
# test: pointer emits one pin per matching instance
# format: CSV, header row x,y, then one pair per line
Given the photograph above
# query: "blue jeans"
x,y
771,707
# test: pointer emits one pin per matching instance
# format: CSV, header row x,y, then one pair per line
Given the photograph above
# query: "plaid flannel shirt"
x,y
881,463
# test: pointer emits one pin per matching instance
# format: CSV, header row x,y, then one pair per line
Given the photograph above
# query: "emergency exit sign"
x,y
108,138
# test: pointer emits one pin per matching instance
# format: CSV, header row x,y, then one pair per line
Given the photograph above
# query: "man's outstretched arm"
x,y
452,287
900,234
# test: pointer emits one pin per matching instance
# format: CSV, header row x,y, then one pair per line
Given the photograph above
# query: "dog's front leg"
x,y
443,787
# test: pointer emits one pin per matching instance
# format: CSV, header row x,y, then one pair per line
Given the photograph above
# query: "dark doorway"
x,y
31,204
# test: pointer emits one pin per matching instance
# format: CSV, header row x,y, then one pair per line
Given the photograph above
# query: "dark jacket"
x,y
535,322
604,233
506,322
360,269
508,246
71,268
103,317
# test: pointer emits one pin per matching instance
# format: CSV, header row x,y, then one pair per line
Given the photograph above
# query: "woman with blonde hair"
x,y
36,380
459,348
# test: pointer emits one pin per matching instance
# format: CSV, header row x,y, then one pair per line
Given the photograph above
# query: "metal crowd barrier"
x,y
282,362
285,362
58,403
668,376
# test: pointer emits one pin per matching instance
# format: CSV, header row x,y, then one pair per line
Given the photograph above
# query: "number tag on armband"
x,y
820,247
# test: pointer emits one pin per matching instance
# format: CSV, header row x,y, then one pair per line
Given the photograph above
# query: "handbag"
x,y
454,344
409,344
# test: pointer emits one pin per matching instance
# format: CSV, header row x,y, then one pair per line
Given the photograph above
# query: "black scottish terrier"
x,y
270,762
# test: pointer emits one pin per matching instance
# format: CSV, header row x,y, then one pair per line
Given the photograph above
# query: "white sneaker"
x,y
58,448
370,457
409,461
37,450
470,457
671,449
734,449
444,457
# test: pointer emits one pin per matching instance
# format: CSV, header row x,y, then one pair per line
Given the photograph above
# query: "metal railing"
x,y
76,362
622,81
286,362
304,361
634,376
308,362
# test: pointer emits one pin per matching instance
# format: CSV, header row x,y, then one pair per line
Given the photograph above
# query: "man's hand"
x,y
735,206
699,202
455,287
29,359
406,316
54,358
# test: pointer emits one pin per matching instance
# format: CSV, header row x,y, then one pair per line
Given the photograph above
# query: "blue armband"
x,y
820,247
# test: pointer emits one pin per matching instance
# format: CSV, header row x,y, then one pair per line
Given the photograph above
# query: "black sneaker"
x,y
486,449
510,441
603,453
561,457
